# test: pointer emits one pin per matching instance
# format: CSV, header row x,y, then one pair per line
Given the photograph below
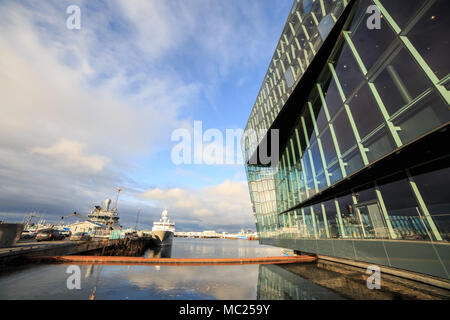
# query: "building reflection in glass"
x,y
276,283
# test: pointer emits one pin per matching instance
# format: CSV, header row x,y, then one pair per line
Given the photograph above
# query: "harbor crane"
x,y
75,214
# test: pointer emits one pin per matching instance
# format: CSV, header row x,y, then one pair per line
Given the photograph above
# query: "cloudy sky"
x,y
85,111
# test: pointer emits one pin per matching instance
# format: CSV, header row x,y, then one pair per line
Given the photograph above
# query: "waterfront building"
x,y
361,104
86,226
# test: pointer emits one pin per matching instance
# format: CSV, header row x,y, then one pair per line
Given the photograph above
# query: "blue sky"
x,y
85,111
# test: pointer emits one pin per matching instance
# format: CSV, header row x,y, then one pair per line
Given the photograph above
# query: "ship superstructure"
x,y
163,230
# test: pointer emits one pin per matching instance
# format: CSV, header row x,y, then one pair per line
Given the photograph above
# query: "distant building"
x,y
210,234
86,226
362,113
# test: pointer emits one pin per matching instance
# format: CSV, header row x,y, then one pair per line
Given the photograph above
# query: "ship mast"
x,y
117,198
137,219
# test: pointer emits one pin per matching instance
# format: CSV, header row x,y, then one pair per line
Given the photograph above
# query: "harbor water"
x,y
123,282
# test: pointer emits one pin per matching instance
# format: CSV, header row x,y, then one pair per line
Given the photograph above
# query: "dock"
x,y
171,261
23,251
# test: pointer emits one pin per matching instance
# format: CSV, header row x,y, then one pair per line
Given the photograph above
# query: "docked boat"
x,y
101,222
163,230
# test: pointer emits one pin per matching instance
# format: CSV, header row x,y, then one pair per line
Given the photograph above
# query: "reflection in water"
x,y
238,282
159,252
276,283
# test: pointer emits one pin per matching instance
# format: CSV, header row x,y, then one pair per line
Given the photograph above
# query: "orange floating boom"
x,y
115,260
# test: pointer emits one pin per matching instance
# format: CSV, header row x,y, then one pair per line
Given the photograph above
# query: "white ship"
x,y
101,222
105,216
163,230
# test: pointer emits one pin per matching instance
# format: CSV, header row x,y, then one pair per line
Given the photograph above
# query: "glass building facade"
x,y
364,151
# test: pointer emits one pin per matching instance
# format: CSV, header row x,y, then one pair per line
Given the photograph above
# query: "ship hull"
x,y
10,233
162,238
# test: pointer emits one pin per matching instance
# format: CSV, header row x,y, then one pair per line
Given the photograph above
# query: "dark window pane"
x,y
319,114
429,37
328,148
350,219
354,162
379,145
320,224
424,116
331,214
321,120
317,159
371,43
401,81
400,10
402,208
366,193
347,71
432,187
306,115
365,111
332,97
344,132
335,173
301,40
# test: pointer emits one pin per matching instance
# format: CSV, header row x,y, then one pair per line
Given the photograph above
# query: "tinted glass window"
x,y
429,37
400,82
365,111
344,133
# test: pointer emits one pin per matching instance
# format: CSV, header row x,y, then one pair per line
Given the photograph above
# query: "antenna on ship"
x,y
137,219
117,198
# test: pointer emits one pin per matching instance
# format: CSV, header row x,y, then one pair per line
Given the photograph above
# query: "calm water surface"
x,y
169,282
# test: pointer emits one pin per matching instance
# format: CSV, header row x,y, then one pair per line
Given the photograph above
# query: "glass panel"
x,y
321,120
350,219
373,221
325,26
306,115
344,133
308,224
347,71
317,9
365,194
401,81
331,214
307,5
301,40
424,116
401,12
328,147
319,113
317,159
332,97
354,161
371,43
320,223
403,209
335,173
379,144
429,37
365,111
289,77
313,32
431,187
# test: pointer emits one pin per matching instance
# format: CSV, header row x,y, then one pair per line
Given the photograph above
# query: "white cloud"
x,y
225,204
70,153
82,111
